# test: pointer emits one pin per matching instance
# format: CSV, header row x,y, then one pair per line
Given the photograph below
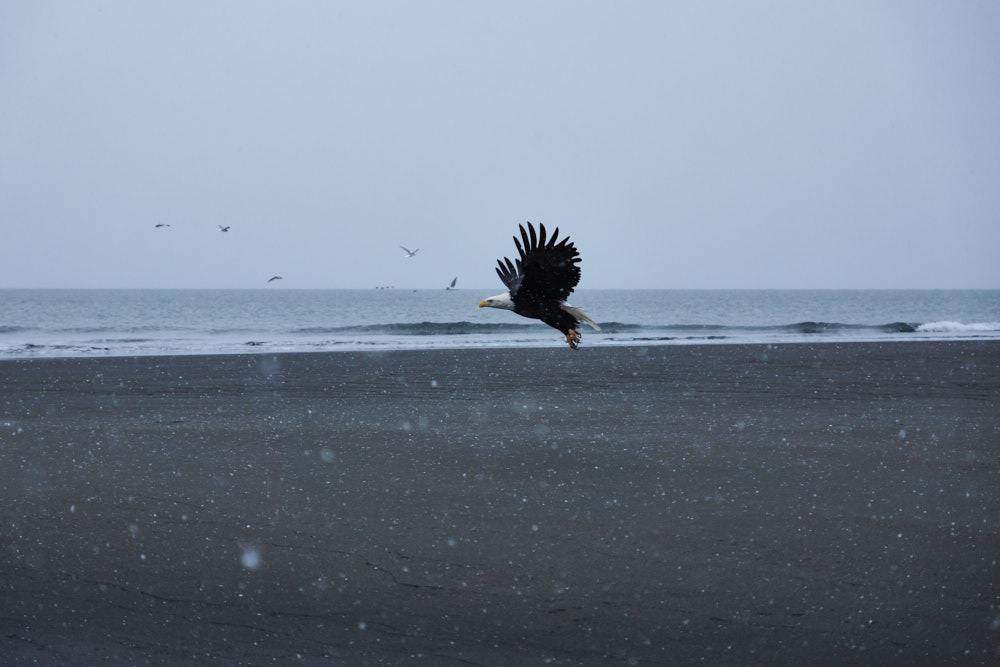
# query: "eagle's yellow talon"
x,y
573,337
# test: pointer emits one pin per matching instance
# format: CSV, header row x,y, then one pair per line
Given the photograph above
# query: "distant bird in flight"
x,y
273,278
223,229
410,253
452,285
540,282
161,224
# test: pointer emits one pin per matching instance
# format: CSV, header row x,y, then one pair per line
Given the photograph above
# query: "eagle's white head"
x,y
499,301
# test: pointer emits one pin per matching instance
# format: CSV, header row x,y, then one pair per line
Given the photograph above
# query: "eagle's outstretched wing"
x,y
547,268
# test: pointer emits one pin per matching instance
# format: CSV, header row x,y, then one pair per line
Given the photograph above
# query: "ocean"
x,y
86,322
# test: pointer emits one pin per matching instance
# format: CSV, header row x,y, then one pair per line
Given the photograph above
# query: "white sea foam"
x,y
958,327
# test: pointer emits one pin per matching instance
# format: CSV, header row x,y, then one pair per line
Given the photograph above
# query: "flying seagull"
x,y
540,282
410,253
273,278
452,285
161,224
223,229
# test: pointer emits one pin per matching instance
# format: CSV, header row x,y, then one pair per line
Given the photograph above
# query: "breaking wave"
x,y
111,329
837,327
958,327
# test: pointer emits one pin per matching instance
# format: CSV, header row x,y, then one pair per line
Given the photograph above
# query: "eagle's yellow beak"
x,y
484,303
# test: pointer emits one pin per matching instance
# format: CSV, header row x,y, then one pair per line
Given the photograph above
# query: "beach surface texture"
x,y
716,504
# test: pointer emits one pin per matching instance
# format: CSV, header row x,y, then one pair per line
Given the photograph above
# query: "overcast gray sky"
x,y
681,144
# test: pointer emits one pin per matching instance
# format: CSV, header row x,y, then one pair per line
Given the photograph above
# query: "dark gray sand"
x,y
798,504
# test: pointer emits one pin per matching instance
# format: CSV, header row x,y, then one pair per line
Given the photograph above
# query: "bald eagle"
x,y
540,282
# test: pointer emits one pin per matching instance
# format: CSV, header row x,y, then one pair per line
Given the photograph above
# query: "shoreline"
x,y
708,341
748,503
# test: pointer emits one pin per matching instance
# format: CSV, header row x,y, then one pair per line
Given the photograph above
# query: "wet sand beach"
x,y
717,504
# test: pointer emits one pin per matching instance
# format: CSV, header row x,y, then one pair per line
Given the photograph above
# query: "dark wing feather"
x,y
510,275
549,270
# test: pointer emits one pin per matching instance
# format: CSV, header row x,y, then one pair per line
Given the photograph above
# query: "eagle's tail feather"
x,y
581,315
